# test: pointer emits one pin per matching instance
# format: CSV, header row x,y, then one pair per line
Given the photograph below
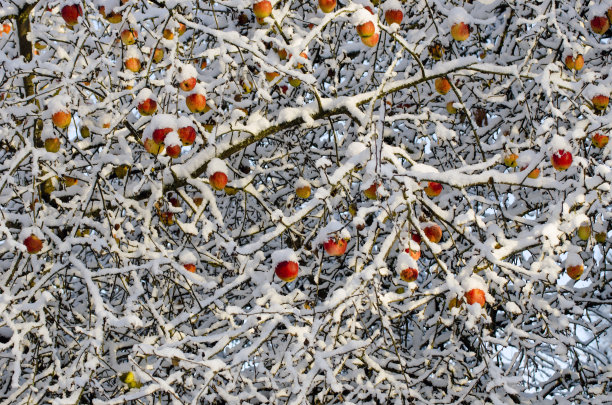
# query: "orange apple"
x,y
287,271
335,246
460,31
166,218
370,41
436,51
510,159
196,102
600,24
442,85
6,28
158,55
303,192
168,34
188,84
71,14
575,271
33,244
128,37
181,29
578,62
394,16
370,192
147,107
433,232
282,54
327,6
271,75
561,160
61,119
132,64
600,102
535,173
600,140
433,189
366,29
187,135
414,252
112,17
52,144
475,296
262,9
218,180
409,275
190,267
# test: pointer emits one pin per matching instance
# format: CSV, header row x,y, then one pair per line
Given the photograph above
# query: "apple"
x,y
600,102
450,107
198,200
561,160
167,34
6,28
196,102
71,14
394,16
574,63
535,173
436,51
600,140
433,189
128,37
153,147
158,55
262,9
166,218
271,75
510,159
159,135
370,192
303,192
335,246
132,64
218,180
415,236
584,231
287,271
230,190
301,65
366,29
33,244
409,275
295,82
433,232
147,107
181,29
188,84
61,119
442,85
190,267
370,41
187,135
460,31
173,151
70,181
414,251
600,24
52,144
112,17
282,54
569,62
327,6
121,171
600,237
475,296
575,271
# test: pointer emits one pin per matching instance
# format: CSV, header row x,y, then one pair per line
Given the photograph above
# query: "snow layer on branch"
x,y
329,231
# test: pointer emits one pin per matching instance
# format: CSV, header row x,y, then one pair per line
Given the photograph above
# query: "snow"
x,y
58,103
216,165
330,230
457,15
284,255
405,261
301,182
391,5
132,52
143,95
187,257
172,138
573,259
362,16
185,71
472,282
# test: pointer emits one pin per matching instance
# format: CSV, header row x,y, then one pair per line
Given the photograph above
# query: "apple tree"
x,y
302,202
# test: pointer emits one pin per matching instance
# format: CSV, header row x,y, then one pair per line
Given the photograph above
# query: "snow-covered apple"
x,y
335,246
287,271
33,244
187,135
600,140
147,106
262,9
561,159
71,13
433,189
600,102
442,85
196,102
475,296
61,119
394,16
218,180
460,31
433,232
128,36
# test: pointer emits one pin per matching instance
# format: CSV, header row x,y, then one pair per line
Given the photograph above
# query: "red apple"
x,y
187,135
173,151
366,29
409,275
370,41
415,236
33,244
147,107
394,16
327,6
132,64
600,102
196,102
575,271
600,24
433,189
218,180
52,144
188,84
262,9
600,140
159,135
71,14
370,192
190,267
561,160
475,296
287,271
335,246
460,31
128,37
442,85
433,232
61,119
